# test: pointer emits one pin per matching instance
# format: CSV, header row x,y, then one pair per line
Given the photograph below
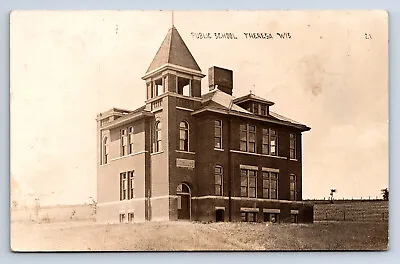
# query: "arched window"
x,y
105,151
157,137
184,136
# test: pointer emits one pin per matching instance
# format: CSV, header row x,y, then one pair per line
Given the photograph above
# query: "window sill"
x,y
155,153
218,149
294,159
186,152
257,154
129,155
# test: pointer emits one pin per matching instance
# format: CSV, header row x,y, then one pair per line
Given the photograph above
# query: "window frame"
x,y
248,141
248,182
220,185
131,184
292,191
267,177
184,141
105,150
130,140
276,145
292,146
123,186
216,137
157,137
124,142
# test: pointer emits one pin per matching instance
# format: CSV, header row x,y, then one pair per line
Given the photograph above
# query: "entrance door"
x,y
184,201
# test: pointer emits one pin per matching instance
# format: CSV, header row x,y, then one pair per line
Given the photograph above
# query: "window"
x,y
123,186
127,185
124,142
248,183
131,216
270,185
130,137
248,216
122,218
254,108
265,141
183,86
105,150
293,218
184,136
292,146
292,187
248,138
218,134
218,174
157,137
131,177
269,142
273,142
271,217
263,110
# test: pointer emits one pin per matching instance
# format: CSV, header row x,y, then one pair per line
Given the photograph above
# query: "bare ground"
x,y
183,236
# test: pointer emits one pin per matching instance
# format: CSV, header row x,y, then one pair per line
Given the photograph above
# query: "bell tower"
x,y
173,69
173,83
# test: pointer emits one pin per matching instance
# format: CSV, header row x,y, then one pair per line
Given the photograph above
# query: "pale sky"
x,y
68,66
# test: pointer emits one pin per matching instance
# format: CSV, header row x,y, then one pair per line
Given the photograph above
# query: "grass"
x,y
182,236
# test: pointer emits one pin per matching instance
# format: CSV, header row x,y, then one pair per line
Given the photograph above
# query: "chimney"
x,y
220,78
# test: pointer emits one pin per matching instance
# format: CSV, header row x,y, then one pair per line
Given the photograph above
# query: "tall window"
x,y
218,174
292,187
123,186
270,185
157,137
124,142
248,183
105,151
273,142
131,178
218,134
127,185
130,137
184,136
248,138
265,141
292,146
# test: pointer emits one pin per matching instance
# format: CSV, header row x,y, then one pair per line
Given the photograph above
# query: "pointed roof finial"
x,y
173,18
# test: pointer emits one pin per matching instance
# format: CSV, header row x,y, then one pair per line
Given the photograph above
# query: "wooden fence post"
x,y
344,215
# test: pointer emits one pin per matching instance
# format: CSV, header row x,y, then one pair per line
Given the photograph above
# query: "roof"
x,y
173,50
219,101
252,97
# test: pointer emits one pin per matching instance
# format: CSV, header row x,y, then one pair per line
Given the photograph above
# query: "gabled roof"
x,y
173,50
252,97
218,101
223,99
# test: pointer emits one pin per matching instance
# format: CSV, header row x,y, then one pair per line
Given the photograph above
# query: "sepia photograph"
x,y
177,130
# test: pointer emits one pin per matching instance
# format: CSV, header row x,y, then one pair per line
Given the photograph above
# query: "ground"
x,y
342,225
178,236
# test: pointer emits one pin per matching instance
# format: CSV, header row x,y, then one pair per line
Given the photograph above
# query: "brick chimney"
x,y
220,78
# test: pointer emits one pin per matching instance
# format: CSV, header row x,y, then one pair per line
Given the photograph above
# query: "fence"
x,y
356,211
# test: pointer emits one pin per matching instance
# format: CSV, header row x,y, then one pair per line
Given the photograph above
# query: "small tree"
x,y
385,194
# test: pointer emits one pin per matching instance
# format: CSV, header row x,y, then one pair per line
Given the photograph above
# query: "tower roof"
x,y
173,50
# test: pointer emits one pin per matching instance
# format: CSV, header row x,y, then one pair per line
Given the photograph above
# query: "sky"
x,y
68,66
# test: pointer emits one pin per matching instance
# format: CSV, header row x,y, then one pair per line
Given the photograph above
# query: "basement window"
x,y
122,218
